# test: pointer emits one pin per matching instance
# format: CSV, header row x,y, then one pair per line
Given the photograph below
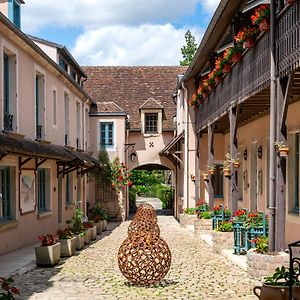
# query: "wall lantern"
x,y
259,152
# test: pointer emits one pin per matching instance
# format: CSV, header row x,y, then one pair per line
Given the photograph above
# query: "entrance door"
x,y
253,177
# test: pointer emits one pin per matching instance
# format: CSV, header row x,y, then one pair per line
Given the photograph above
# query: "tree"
x,y
189,49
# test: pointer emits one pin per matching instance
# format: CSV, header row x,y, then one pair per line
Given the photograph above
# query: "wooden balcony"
x,y
248,83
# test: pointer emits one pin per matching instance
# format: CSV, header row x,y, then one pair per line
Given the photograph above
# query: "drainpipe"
x,y
186,138
272,182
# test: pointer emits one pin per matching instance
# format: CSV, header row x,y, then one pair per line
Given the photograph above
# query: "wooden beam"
x,y
211,193
39,163
23,162
233,201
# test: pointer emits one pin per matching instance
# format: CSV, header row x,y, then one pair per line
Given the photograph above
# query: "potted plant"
x,y
223,64
90,228
237,54
48,253
67,242
276,286
8,292
77,228
262,17
282,149
246,37
211,169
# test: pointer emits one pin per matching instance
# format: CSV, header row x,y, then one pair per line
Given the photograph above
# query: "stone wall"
x,y
202,226
186,220
260,265
222,240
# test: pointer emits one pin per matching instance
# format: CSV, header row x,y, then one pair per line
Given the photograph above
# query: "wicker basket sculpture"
x,y
145,225
144,258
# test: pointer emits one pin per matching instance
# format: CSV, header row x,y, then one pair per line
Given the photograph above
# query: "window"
x,y
54,107
5,194
106,134
69,189
151,123
63,64
297,182
217,182
14,12
39,104
73,75
78,125
67,121
9,91
41,190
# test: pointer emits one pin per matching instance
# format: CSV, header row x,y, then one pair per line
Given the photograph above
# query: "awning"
x,y
173,143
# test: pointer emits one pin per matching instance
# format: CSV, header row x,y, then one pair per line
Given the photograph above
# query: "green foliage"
x,y
76,222
65,234
189,49
7,291
189,211
281,278
262,244
206,215
225,227
98,213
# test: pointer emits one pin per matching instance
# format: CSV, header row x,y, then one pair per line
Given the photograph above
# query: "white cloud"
x,y
127,45
210,5
95,13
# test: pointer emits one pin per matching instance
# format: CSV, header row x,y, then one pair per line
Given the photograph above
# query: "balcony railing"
x,y
8,122
39,129
252,74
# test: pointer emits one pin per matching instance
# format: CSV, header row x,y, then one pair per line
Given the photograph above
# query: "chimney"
x,y
12,10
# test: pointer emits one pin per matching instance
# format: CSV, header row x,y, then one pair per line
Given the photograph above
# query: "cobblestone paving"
x,y
196,272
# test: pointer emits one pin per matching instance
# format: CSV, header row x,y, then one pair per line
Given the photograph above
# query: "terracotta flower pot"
x,y
284,151
219,78
249,42
236,57
211,172
264,25
227,172
227,68
236,164
205,94
291,1
269,292
210,87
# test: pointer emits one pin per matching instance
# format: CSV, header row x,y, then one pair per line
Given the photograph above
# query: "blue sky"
x,y
119,32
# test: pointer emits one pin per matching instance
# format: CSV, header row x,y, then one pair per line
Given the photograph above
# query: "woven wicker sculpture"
x,y
145,214
144,258
143,225
145,206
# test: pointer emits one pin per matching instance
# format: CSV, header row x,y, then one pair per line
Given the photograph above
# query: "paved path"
x,y
155,202
196,272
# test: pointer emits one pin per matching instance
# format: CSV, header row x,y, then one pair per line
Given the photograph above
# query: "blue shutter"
x,y
17,14
6,194
41,190
6,82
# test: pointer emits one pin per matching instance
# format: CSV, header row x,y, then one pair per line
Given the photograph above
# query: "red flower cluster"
x,y
48,239
10,291
120,175
262,12
239,213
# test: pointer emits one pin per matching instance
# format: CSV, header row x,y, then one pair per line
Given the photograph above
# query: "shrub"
x,y
76,222
225,227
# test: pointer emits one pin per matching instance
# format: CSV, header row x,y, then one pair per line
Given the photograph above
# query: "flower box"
x,y
93,233
67,247
99,227
186,220
202,225
236,57
227,68
79,241
264,25
227,172
104,225
283,151
249,42
222,240
47,255
87,236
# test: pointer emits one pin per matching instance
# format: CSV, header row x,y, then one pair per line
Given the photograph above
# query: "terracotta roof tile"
x,y
131,87
111,107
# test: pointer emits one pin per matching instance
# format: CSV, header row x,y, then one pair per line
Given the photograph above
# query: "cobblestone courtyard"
x,y
196,272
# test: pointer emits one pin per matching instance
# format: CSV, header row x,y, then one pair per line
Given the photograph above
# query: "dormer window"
x,y
151,120
14,12
151,116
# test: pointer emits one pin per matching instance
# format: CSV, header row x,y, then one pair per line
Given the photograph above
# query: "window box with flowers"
x,y
211,169
262,17
282,149
67,242
247,37
234,54
223,64
48,253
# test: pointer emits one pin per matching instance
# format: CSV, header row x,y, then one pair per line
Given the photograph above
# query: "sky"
x,y
119,32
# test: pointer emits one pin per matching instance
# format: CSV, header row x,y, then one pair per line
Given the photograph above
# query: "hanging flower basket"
x,y
236,57
227,172
283,151
264,25
211,171
227,68
205,177
236,164
249,42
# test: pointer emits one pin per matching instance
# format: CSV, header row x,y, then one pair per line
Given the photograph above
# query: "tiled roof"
x,y
131,87
110,107
151,104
